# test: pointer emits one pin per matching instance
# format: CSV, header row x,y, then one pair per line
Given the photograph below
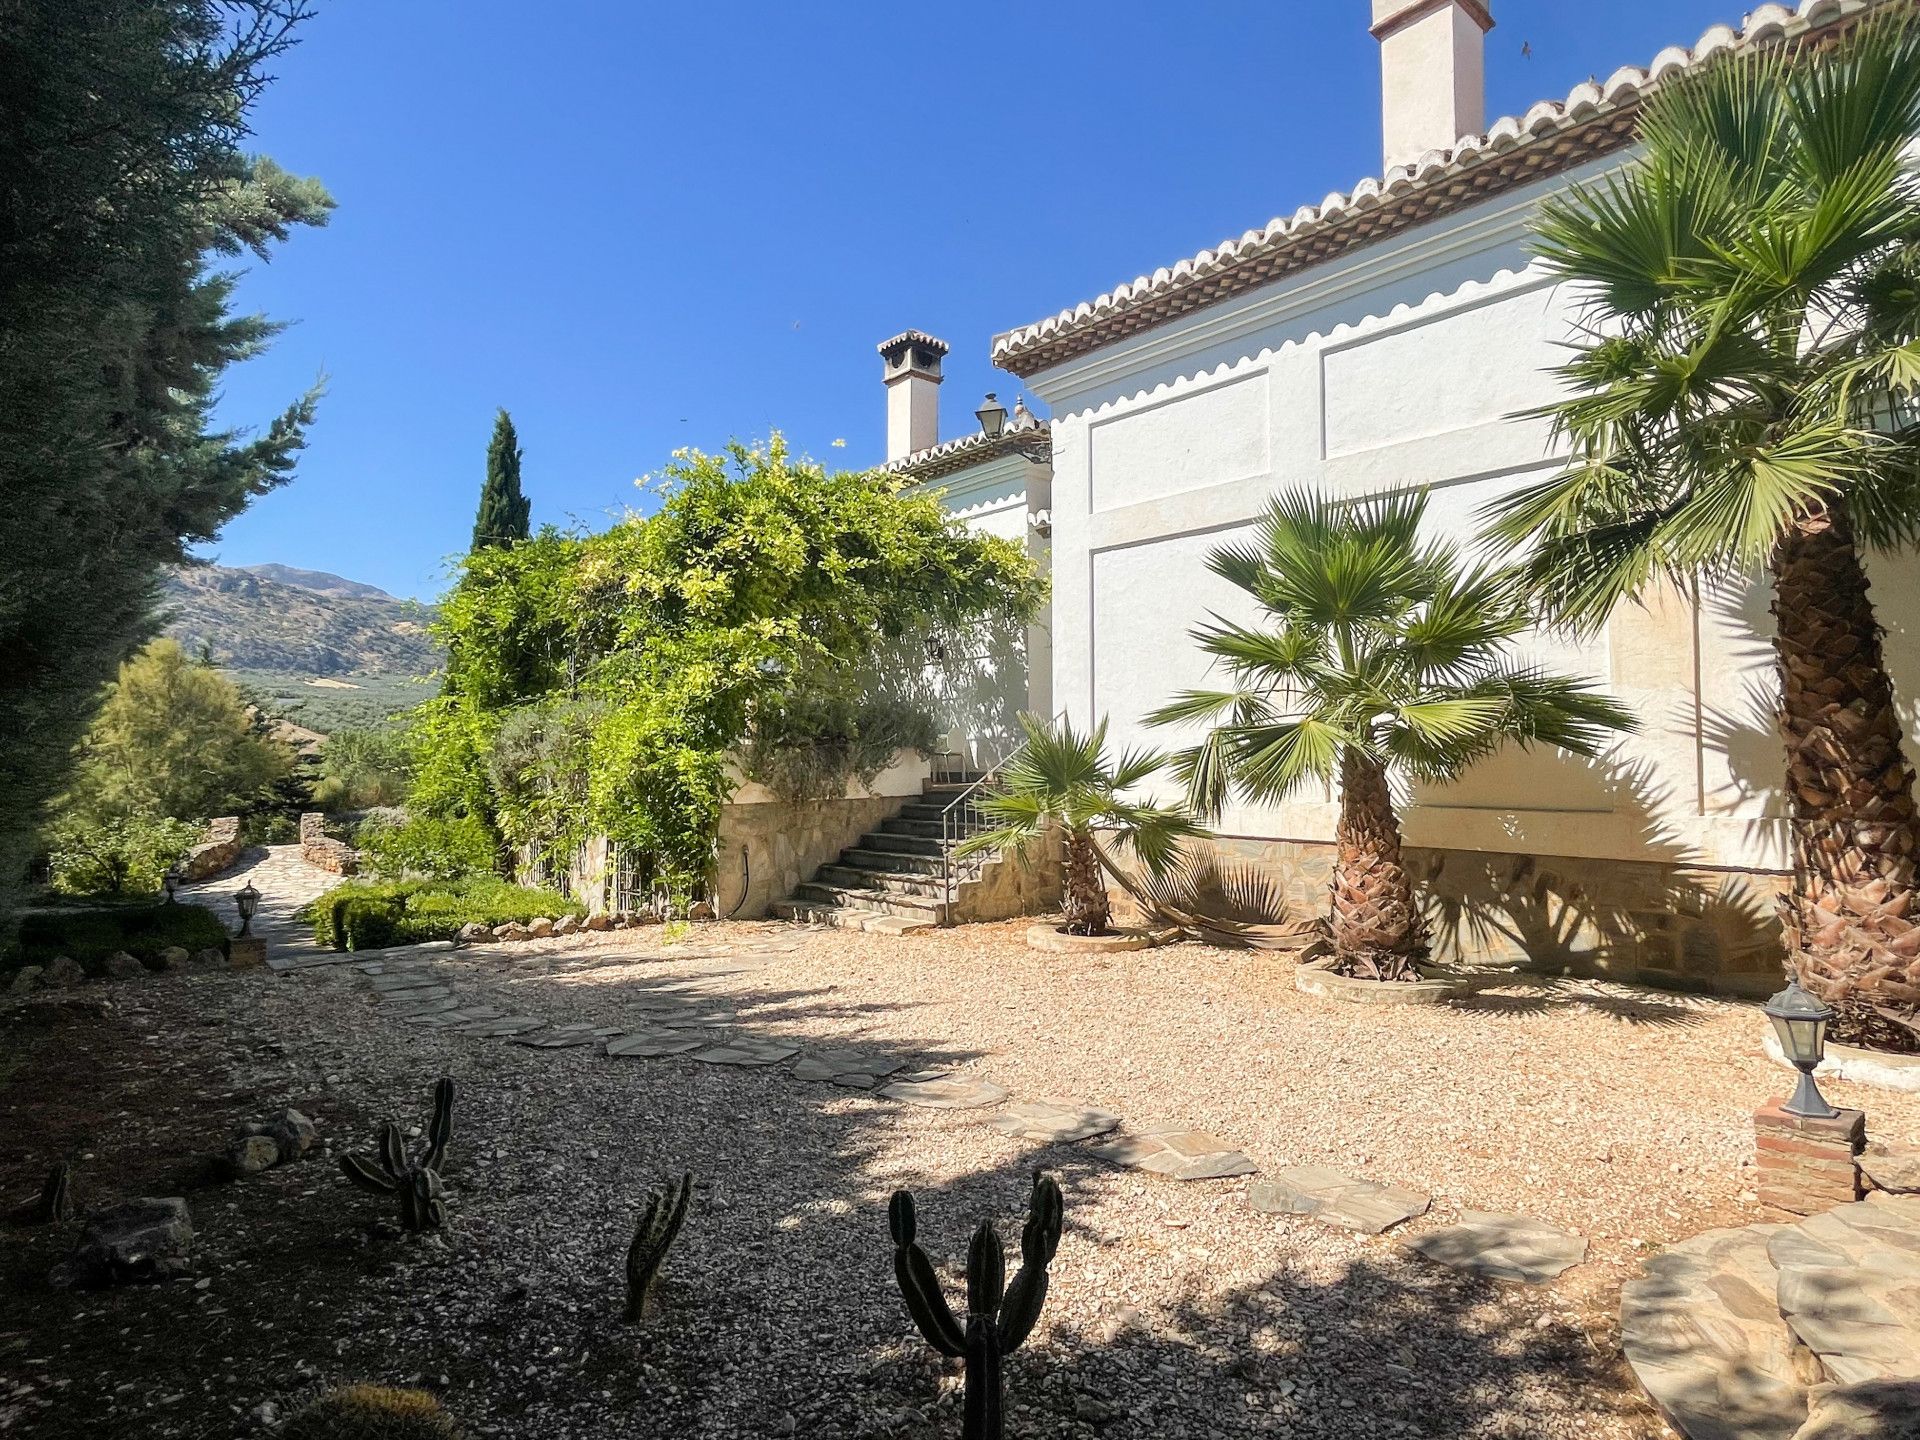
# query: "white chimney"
x,y
1432,73
913,392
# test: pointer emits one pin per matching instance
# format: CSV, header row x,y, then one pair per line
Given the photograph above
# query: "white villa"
x,y
1381,339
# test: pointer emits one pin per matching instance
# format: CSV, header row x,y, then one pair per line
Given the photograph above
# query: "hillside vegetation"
x,y
327,652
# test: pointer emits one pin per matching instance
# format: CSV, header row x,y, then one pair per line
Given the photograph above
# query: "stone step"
x,y
899,862
887,882
863,899
847,917
901,825
900,844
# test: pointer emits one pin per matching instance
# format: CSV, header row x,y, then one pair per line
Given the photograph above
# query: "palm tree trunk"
x,y
1850,925
1376,928
1084,887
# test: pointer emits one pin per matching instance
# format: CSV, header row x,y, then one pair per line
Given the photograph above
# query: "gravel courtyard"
x,y
1175,1309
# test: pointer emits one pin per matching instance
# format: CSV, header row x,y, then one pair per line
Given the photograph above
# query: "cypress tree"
x,y
503,509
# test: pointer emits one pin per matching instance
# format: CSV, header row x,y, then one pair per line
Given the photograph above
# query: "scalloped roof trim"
x,y
1586,101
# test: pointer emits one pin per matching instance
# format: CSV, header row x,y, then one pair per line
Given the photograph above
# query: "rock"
x,y
292,1132
175,957
122,966
1360,1205
700,910
473,932
601,921
25,978
540,928
145,1239
1877,1410
567,925
250,1154
1052,1122
1891,1169
212,957
512,930
62,973
1505,1247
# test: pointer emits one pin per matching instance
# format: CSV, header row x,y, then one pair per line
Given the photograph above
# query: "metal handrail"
x,y
959,813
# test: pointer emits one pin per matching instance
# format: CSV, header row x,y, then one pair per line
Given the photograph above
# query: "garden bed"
x,y
90,932
376,915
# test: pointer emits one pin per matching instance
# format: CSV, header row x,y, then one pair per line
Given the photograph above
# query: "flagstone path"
x,y
1733,1332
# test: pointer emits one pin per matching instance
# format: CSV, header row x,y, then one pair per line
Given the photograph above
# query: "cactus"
x,y
53,1204
658,1228
416,1182
372,1412
999,1316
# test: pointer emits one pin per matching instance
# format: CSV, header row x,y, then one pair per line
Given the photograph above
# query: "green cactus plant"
x,y
53,1204
653,1237
416,1182
999,1316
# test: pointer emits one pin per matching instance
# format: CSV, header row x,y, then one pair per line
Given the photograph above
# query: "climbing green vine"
x,y
772,619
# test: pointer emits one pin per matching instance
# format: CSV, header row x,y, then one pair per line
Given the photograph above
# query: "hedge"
x,y
90,934
363,916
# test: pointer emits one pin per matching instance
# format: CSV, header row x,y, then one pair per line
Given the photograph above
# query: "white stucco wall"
x,y
1398,366
1000,497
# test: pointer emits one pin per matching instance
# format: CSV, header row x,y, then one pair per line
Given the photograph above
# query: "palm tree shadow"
x,y
1653,919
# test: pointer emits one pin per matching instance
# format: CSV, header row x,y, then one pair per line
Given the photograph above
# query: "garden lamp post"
x,y
1800,1022
247,899
171,880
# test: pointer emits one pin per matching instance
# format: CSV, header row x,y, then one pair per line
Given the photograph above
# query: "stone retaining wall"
x,y
320,849
218,851
785,842
1654,924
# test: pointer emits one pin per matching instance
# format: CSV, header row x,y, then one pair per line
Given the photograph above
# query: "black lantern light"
x,y
1800,1021
171,880
247,899
992,416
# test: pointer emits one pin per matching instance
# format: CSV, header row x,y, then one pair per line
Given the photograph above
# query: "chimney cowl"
x,y
912,375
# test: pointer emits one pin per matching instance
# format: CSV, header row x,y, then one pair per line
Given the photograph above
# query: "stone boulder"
x,y
249,1154
602,921
175,957
473,932
700,910
211,958
62,973
512,930
567,925
122,966
145,1239
1891,1169
540,928
293,1132
25,979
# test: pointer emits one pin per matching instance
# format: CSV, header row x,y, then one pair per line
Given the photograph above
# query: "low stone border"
x,y
1052,939
1863,1067
1318,979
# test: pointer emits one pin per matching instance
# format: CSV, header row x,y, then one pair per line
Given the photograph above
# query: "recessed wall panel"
x,y
1204,437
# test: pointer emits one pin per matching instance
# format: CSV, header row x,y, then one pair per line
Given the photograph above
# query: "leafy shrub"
x,y
371,916
92,933
427,847
128,855
270,827
360,769
372,1412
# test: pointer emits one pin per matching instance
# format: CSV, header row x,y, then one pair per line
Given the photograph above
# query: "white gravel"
x,y
1175,1309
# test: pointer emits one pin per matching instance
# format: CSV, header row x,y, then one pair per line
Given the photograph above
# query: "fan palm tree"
x,y
1062,779
1744,404
1383,654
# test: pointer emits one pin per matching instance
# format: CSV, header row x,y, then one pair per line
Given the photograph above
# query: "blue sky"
x,y
640,226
